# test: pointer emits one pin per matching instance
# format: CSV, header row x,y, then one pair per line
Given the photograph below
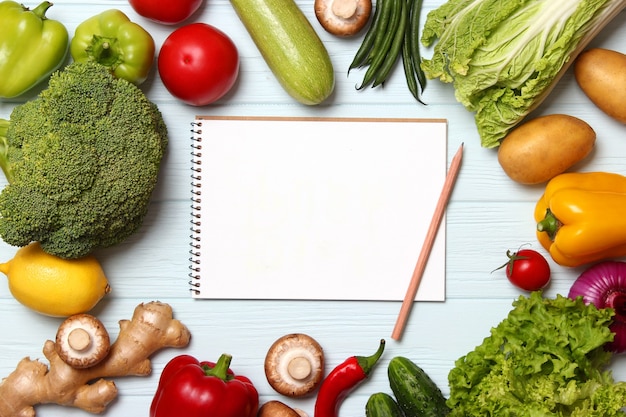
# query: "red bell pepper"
x,y
191,388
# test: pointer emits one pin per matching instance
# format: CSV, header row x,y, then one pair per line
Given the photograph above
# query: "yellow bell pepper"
x,y
581,217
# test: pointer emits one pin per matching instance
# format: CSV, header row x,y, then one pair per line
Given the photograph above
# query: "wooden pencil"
x,y
418,272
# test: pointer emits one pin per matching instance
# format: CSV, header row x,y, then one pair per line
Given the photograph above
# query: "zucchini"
x,y
382,405
290,46
416,393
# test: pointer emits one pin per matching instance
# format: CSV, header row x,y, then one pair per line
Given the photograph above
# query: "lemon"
x,y
55,286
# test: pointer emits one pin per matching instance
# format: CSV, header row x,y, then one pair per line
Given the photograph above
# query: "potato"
x,y
540,149
601,74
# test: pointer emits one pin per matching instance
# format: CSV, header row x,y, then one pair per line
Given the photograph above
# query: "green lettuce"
x,y
545,359
503,55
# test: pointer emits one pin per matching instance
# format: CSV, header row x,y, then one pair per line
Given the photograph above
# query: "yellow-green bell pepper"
x,y
580,217
31,47
112,40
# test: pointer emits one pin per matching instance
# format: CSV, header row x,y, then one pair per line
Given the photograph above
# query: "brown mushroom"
x,y
294,365
82,341
343,17
276,408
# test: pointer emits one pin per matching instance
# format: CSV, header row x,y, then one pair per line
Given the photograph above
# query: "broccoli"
x,y
81,161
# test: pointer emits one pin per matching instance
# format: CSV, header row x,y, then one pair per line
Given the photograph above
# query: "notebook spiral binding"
x,y
196,178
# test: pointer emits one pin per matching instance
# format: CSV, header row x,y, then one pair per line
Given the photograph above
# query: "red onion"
x,y
604,285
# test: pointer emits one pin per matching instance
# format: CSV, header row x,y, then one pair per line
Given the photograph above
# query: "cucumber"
x,y
416,393
382,405
290,46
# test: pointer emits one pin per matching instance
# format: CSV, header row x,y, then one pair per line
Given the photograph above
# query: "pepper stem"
x,y
367,363
40,11
550,224
220,370
105,51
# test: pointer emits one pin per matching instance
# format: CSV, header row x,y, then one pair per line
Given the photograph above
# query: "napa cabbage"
x,y
503,56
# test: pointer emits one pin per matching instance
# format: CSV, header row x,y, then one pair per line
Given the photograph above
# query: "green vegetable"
x,y
392,34
362,55
391,18
82,160
412,39
505,56
31,47
383,63
382,404
290,46
112,40
545,359
417,394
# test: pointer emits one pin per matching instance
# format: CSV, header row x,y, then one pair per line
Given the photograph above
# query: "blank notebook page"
x,y
323,209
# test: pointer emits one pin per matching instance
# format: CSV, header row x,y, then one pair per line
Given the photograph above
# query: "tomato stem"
x,y
512,258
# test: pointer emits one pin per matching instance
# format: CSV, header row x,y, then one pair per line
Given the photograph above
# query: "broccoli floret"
x,y
81,161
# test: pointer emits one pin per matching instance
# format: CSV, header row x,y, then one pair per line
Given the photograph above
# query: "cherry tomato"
x,y
528,269
168,12
198,64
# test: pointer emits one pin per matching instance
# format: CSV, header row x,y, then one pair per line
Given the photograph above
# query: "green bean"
x,y
396,46
409,70
379,58
394,33
386,17
414,23
368,39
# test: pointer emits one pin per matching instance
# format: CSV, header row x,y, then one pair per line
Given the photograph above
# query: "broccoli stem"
x,y
4,149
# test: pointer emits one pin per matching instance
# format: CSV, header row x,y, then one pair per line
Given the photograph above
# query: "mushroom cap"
x,y
343,17
294,365
82,341
275,408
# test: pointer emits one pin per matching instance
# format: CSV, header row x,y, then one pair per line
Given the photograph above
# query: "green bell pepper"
x,y
112,40
31,47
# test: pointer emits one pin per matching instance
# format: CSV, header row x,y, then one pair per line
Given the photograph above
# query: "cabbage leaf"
x,y
546,358
504,55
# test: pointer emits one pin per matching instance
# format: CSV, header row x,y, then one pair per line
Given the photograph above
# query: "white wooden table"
x,y
487,215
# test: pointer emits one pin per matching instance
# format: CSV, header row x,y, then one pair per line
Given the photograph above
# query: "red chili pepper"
x,y
343,379
191,388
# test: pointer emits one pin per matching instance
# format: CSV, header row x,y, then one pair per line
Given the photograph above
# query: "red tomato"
x,y
168,12
528,269
198,64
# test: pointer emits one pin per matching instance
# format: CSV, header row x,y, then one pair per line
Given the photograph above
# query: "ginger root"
x,y
151,328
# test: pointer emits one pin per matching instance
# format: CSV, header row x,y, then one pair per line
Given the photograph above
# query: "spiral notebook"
x,y
315,208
